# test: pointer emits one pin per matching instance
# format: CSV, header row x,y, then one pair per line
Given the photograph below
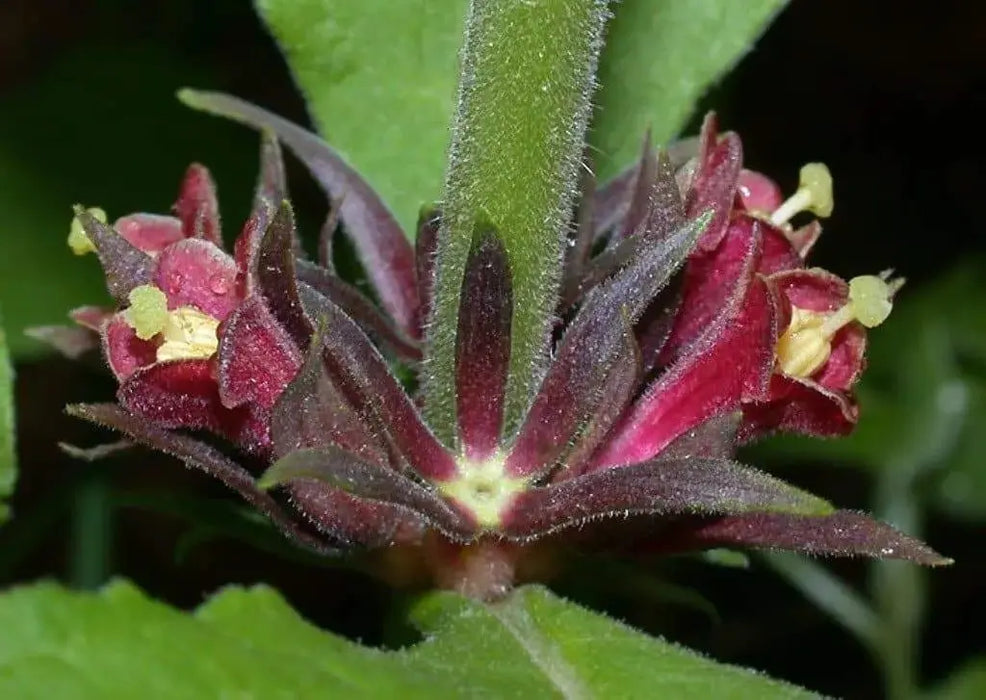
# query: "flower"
x,y
696,327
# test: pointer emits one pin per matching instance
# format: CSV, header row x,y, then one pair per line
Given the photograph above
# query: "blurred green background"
x,y
891,101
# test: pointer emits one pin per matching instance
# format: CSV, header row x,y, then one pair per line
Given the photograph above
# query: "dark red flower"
x,y
697,326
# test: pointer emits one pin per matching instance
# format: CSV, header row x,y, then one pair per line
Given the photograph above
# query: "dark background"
x,y
888,94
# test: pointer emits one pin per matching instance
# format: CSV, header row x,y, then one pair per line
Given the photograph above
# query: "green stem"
x,y
829,593
528,70
92,532
899,591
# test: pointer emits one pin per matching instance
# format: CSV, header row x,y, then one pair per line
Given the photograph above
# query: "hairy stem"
x,y
528,71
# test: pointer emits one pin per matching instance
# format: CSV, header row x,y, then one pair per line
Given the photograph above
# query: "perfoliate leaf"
x,y
8,466
660,56
250,643
379,77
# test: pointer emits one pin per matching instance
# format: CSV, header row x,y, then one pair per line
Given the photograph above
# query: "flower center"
x,y
807,343
484,489
186,332
814,194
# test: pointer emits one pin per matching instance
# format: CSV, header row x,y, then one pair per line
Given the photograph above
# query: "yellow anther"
x,y
148,312
814,194
186,333
803,348
189,335
78,241
872,299
807,343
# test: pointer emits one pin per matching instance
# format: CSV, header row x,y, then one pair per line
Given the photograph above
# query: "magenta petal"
x,y
778,252
342,470
757,192
482,345
841,371
843,533
256,358
711,280
194,272
356,367
381,245
813,289
125,352
151,233
800,406
356,522
125,266
183,394
803,239
197,206
713,186
658,487
731,361
198,455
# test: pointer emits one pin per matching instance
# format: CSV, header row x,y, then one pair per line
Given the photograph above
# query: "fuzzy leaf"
x,y
596,353
125,266
842,533
648,41
355,366
665,487
357,307
8,463
379,78
312,412
276,277
118,642
483,346
517,140
341,470
732,359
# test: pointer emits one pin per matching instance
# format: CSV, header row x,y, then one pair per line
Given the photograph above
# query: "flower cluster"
x,y
689,323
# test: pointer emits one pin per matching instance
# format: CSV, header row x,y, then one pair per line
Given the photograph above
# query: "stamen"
x,y
148,312
187,333
814,194
807,343
78,241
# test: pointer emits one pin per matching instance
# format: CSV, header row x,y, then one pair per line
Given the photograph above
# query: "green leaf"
x,y
379,77
8,461
517,141
967,683
660,57
250,643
